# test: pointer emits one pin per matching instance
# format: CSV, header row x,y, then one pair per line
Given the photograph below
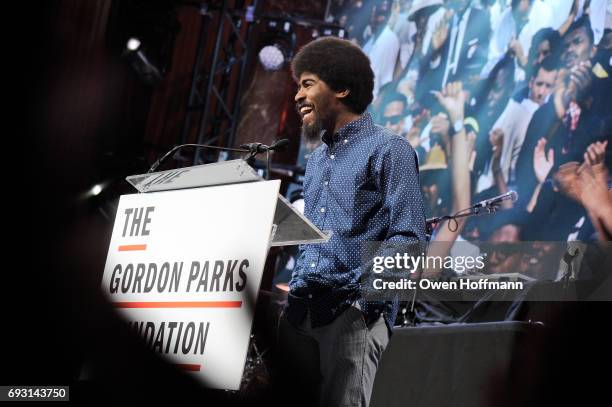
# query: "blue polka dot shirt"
x,y
362,186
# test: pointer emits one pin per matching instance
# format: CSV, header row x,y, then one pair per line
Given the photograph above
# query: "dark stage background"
x,y
91,119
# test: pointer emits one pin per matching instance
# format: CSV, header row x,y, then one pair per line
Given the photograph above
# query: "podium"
x,y
186,258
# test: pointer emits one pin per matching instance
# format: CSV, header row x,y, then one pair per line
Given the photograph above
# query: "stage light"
x,y
133,44
277,45
146,70
96,189
271,57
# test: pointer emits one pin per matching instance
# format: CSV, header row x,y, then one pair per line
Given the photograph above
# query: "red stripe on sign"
x,y
179,304
132,247
186,366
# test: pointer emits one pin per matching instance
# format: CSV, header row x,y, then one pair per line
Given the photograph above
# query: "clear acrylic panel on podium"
x,y
290,226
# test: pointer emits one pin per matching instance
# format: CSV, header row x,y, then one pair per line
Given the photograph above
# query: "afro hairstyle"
x,y
341,65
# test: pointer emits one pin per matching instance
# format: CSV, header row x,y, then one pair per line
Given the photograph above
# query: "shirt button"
x,y
345,140
313,265
309,295
326,183
322,209
332,156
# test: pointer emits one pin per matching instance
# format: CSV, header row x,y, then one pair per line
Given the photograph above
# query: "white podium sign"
x,y
184,268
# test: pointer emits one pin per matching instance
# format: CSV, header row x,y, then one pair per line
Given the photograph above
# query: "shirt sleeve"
x,y
400,188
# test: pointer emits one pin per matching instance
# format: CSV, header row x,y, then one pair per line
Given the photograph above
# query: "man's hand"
x,y
542,164
496,138
595,154
567,179
573,177
440,124
572,85
559,92
580,80
452,99
594,159
594,192
595,195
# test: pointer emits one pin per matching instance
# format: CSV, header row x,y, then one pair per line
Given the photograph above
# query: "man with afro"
x,y
361,184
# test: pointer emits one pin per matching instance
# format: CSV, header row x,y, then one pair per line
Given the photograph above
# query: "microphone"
x,y
279,145
492,202
256,148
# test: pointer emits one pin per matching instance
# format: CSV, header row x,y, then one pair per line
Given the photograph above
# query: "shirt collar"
x,y
352,129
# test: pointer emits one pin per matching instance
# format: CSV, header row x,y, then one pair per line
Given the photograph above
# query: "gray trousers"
x,y
335,364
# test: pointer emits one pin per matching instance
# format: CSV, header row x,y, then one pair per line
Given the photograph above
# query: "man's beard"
x,y
312,132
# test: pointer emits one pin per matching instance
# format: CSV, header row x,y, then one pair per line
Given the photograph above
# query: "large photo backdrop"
x,y
536,81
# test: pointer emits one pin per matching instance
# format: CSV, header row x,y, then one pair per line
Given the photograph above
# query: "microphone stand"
x,y
256,148
472,211
157,163
477,210
252,149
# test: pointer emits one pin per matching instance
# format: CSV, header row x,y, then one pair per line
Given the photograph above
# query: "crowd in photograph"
x,y
526,83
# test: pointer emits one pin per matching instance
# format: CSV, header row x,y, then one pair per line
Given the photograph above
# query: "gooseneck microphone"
x,y
181,146
496,200
256,148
